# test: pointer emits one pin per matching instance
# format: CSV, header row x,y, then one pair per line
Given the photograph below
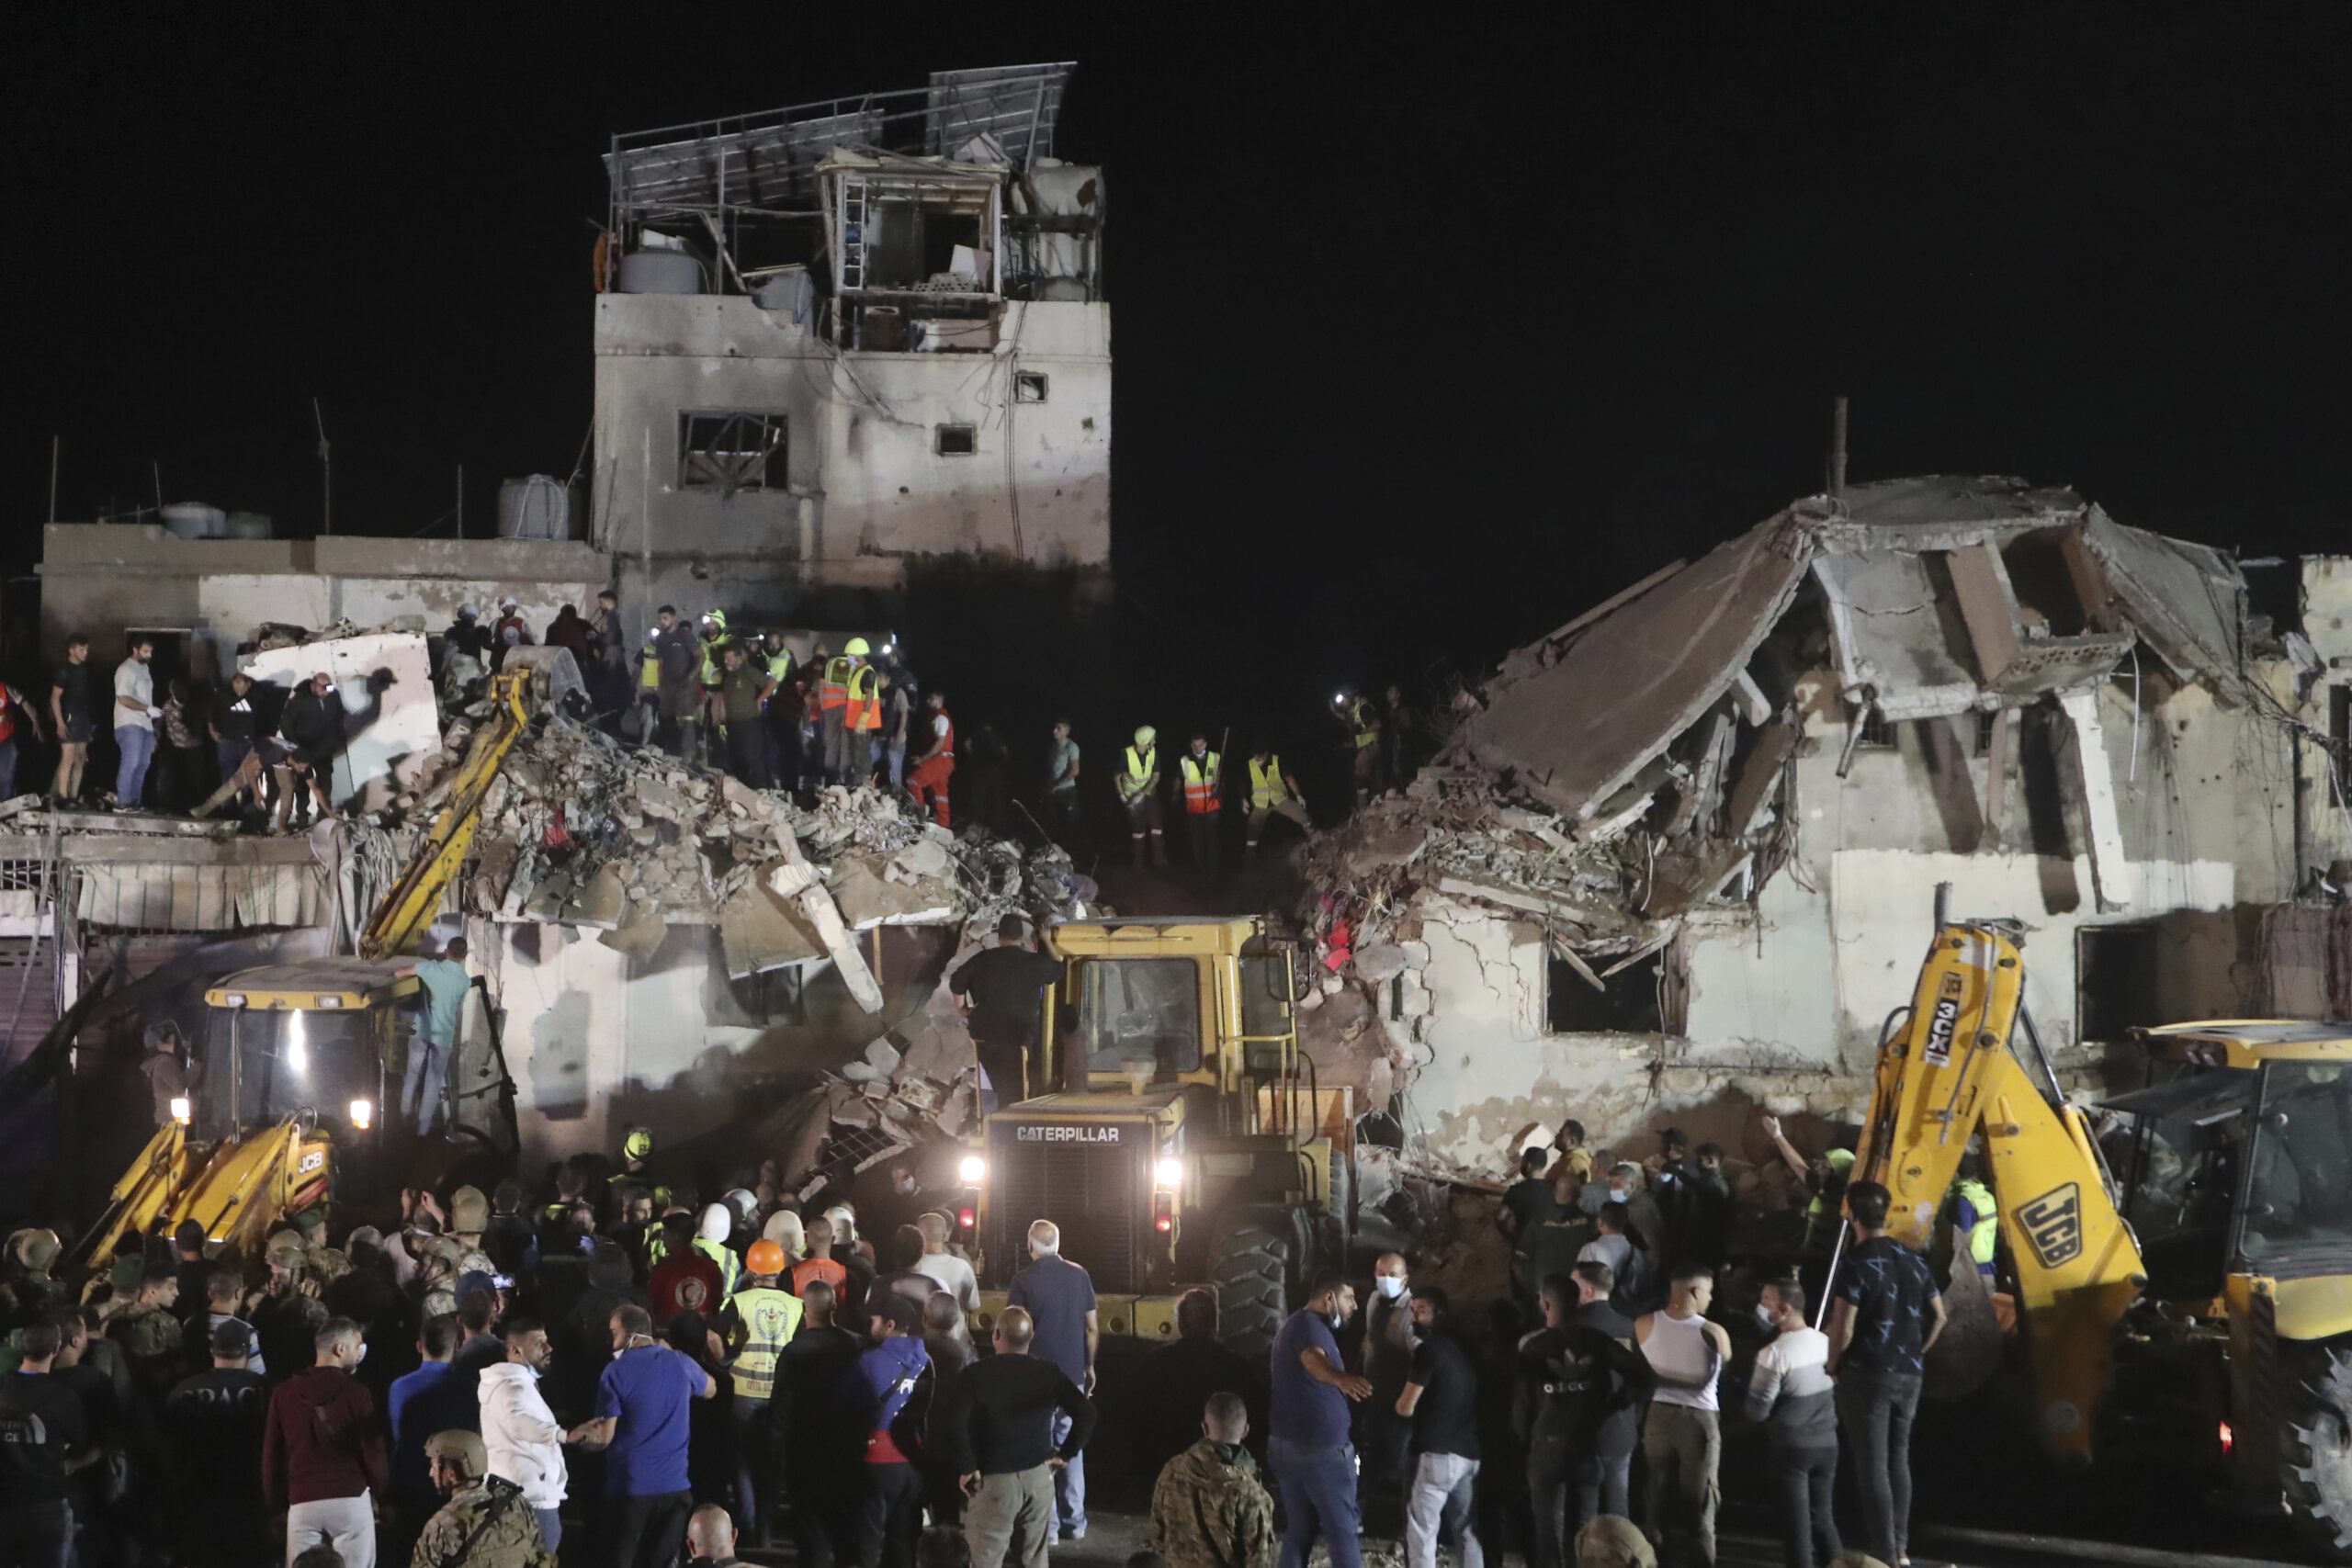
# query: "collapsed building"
x,y
1678,859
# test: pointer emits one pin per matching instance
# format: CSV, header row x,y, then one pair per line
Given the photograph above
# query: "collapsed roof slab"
x,y
1574,732
2187,602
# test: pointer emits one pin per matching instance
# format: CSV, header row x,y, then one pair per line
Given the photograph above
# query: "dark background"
x,y
1427,336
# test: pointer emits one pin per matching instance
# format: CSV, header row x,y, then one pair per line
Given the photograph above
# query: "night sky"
x,y
1426,338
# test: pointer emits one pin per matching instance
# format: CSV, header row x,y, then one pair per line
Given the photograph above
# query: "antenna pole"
x,y
326,471
1837,447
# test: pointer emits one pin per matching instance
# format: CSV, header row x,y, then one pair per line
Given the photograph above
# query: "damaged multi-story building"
x,y
1679,859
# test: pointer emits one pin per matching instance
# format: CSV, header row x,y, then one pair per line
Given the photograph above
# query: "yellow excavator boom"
x,y
408,909
235,1190
1946,1073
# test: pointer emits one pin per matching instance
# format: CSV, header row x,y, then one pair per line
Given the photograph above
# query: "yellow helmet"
x,y
1145,735
637,1143
856,647
717,618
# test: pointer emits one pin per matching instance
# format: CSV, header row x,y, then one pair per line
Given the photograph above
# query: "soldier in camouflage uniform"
x,y
1209,1509
486,1523
145,1329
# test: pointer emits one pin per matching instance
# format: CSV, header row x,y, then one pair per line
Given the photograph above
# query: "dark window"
x,y
731,451
1029,387
1878,730
1140,1014
2114,981
957,440
1626,1003
2339,730
1985,724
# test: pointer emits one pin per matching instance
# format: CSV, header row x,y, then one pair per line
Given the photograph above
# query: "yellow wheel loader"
x,y
2194,1301
297,1059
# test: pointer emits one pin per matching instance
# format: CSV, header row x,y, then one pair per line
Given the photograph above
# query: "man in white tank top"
x,y
1682,1443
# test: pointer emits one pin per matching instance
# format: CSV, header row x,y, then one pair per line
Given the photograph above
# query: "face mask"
x,y
1337,1318
1616,1194
1764,1316
1390,1286
361,1357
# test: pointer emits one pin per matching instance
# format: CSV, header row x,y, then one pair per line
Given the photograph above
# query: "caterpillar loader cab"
x,y
1188,1142
2190,1302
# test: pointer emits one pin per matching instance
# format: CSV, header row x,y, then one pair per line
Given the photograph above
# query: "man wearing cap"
x,y
224,1298
893,1368
445,983
1138,787
487,1522
519,1430
644,1404
322,1453
212,1429
756,1324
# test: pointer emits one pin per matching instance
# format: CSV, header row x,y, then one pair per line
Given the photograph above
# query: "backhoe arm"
x,y
408,909
1948,1073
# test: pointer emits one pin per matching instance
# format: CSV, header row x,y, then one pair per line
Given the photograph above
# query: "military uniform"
x,y
488,1525
1209,1510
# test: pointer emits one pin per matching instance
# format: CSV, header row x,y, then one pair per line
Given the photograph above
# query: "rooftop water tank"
x,y
195,520
249,525
660,271
534,508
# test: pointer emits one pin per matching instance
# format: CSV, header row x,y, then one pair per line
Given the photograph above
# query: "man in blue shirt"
x,y
1307,1447
419,1404
644,1409
1058,1296
446,983
1884,1316
886,1378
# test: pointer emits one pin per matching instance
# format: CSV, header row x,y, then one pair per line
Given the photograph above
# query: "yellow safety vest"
x,y
864,703
832,691
730,1268
1367,728
770,1317
780,667
1985,1234
1266,787
1139,772
713,669
1200,783
648,668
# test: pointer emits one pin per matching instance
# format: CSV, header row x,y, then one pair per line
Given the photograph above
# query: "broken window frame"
x,y
971,440
761,467
1024,381
1663,965
1878,730
2091,1010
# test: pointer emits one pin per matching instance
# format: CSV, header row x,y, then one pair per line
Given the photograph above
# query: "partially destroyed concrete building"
x,y
1679,859
834,338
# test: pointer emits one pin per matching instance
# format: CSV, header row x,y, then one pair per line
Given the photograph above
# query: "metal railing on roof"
x,y
767,160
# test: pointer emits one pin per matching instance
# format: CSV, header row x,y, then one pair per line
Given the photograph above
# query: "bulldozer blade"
x,y
1966,1355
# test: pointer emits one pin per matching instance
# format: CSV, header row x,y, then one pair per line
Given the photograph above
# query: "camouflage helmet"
x,y
463,1449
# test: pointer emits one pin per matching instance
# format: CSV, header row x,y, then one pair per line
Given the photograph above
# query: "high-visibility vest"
x,y
832,691
780,667
1139,772
1267,789
1361,719
1200,784
1986,1233
947,741
770,1318
863,711
648,668
730,1268
714,666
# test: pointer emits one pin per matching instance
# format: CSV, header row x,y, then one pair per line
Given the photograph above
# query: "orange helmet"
x,y
765,1257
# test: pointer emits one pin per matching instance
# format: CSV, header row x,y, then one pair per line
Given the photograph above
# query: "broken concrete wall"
x,y
391,713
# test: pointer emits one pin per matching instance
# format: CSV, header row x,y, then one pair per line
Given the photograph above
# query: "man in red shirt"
x,y
322,1453
685,1280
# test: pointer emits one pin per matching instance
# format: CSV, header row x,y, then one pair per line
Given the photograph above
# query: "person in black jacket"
x,y
311,733
1000,1430
1573,1377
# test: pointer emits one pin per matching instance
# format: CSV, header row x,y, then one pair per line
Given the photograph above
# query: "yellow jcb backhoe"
x,y
298,1056
2200,1304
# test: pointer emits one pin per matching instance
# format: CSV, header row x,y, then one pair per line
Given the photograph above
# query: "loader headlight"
x,y
298,1045
971,1169
182,1112
1169,1172
363,1115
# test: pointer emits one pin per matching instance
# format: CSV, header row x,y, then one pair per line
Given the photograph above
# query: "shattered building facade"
x,y
1679,859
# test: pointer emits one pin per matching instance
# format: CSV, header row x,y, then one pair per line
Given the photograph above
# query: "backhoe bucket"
x,y
1966,1355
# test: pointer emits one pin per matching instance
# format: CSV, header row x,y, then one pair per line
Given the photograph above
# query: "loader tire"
x,y
1249,1267
2317,1450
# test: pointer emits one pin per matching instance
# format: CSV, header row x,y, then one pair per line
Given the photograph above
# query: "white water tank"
x,y
195,520
534,508
249,525
660,271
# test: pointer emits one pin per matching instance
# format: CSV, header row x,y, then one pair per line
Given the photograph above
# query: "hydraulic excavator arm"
x,y
408,909
1947,1072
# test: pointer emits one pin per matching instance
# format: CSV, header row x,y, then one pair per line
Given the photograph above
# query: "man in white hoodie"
x,y
526,1444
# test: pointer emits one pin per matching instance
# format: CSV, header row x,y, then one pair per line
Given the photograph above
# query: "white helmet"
x,y
744,1202
717,1223
844,1222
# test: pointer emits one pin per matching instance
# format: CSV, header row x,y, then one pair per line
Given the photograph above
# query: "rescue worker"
x,y
710,1239
712,642
935,764
1272,793
487,1522
681,695
784,712
1977,1213
1363,727
833,709
1202,773
1139,786
649,688
742,698
756,1324
512,630
861,714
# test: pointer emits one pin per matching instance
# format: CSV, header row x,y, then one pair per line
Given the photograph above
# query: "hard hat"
x,y
509,602
844,1222
743,1200
717,1223
716,618
764,1257
637,1143
468,1209
1840,1161
856,647
1145,735
287,1254
467,612
463,1449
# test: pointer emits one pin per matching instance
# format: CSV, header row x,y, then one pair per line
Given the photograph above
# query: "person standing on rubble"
x,y
681,695
236,732
135,714
743,692
833,709
713,641
1062,788
1362,728
12,707
935,764
1273,791
1138,788
785,703
860,716
73,708
1001,991
1203,774
310,733
898,722
512,630
445,983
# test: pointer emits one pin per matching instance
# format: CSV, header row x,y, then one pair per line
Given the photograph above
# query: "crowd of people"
x,y
628,1367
